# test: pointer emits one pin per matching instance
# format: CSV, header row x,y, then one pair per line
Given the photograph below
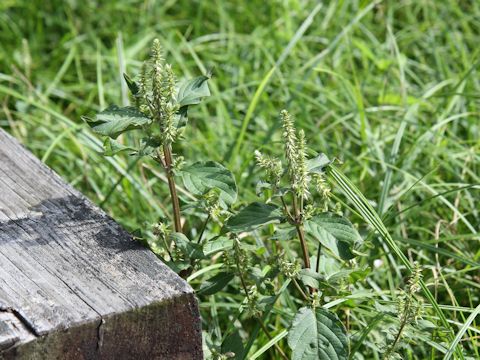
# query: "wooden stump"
x,y
74,284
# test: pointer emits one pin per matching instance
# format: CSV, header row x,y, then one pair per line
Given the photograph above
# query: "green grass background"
x,y
391,88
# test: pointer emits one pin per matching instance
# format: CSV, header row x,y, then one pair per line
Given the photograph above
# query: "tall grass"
x,y
390,87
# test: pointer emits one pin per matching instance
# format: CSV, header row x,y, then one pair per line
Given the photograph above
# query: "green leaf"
x,y
253,216
148,146
203,176
371,217
285,232
233,345
335,233
310,278
262,186
112,147
317,334
192,91
334,273
178,266
318,163
219,243
461,333
132,85
189,249
215,283
181,119
114,121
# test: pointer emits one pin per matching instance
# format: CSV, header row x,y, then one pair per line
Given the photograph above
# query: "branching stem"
x,y
300,232
259,319
299,288
303,243
285,208
167,151
399,333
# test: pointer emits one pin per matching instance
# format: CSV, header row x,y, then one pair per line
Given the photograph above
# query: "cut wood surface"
x,y
74,284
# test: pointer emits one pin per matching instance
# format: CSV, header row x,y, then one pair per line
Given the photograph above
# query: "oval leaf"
x,y
253,216
335,233
317,335
233,345
318,163
203,176
215,283
310,278
219,243
132,85
112,147
192,91
114,121
189,249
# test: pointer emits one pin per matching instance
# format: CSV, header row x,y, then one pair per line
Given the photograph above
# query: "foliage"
x,y
317,334
161,105
388,87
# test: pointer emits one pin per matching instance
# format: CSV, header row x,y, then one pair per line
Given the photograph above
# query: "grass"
x,y
389,87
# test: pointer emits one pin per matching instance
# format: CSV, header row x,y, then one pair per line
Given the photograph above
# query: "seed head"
x,y
212,203
156,52
272,167
169,83
290,141
161,230
169,130
302,179
322,187
414,280
143,82
164,108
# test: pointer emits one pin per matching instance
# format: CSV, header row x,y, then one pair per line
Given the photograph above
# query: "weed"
x,y
289,208
387,86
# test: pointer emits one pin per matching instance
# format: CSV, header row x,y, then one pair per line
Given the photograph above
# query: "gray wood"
x,y
74,284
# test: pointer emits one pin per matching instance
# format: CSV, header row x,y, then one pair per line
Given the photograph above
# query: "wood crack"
x,y
25,322
100,333
73,283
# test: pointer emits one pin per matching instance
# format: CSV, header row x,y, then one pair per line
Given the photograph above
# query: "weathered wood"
x,y
73,284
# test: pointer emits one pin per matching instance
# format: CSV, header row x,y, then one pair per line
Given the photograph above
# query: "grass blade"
x,y
372,218
269,344
460,333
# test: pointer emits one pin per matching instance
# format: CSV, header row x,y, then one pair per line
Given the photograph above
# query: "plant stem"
x,y
167,151
303,243
399,333
299,288
167,247
319,252
285,208
259,319
240,274
119,180
397,338
300,232
265,330
301,235
187,272
203,229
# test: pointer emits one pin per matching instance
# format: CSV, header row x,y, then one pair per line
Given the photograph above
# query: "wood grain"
x,y
74,284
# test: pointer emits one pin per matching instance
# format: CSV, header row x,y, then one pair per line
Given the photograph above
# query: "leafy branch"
x,y
296,202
